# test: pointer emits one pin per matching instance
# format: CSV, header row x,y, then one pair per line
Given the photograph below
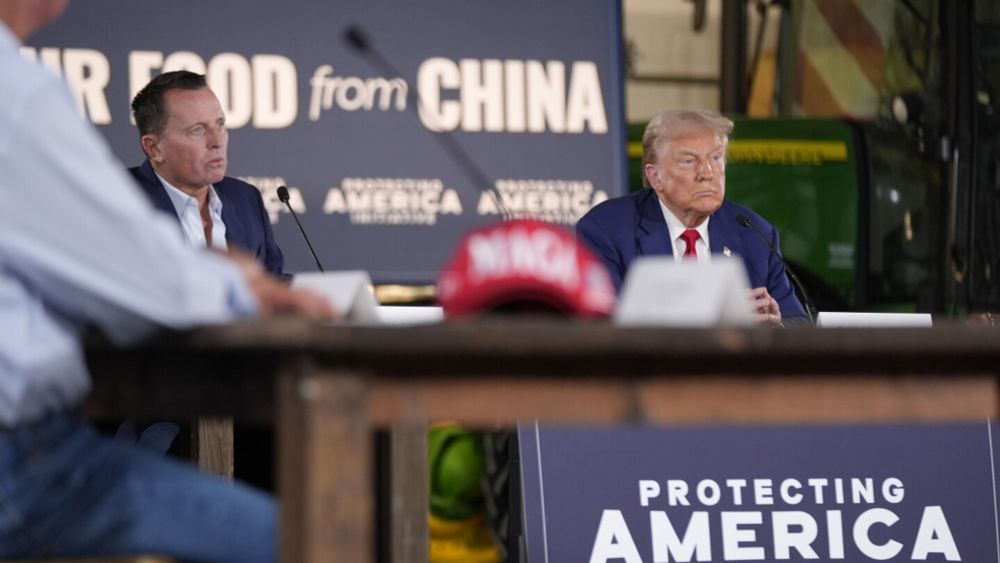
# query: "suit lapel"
x,y
155,190
652,233
723,234
719,237
236,232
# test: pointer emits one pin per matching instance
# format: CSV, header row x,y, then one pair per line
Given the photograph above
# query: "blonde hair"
x,y
676,123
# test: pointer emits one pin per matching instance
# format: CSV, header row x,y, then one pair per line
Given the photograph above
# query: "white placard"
x,y
349,291
658,290
408,315
827,319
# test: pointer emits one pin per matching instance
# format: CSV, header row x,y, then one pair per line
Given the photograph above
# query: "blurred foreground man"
x,y
683,213
183,133
80,246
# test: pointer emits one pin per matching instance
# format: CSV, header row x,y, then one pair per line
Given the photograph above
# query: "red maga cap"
x,y
525,261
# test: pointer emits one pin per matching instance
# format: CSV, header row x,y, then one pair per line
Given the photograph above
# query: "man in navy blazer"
x,y
183,132
683,213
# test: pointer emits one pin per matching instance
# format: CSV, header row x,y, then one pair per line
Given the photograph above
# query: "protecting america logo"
x,y
392,201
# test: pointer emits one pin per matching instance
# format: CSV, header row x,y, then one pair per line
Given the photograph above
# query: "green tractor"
x,y
898,210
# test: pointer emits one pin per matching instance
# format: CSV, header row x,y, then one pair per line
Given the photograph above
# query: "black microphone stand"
x,y
284,197
810,306
358,40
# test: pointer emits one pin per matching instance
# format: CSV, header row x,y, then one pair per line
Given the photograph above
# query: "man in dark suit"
x,y
683,213
183,133
182,130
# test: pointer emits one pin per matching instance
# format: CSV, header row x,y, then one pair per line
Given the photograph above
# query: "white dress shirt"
x,y
190,216
676,227
81,246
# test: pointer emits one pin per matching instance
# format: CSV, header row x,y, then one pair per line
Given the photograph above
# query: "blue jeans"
x,y
67,491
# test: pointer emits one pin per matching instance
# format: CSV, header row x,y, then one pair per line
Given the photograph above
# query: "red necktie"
x,y
690,236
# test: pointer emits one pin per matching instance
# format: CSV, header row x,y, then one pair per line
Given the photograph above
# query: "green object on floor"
x,y
455,458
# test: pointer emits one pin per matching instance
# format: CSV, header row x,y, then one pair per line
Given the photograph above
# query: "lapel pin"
x,y
726,251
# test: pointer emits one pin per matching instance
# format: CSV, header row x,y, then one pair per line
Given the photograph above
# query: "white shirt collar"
x,y
676,227
182,200
186,208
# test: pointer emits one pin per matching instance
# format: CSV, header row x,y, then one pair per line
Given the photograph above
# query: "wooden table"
x,y
327,388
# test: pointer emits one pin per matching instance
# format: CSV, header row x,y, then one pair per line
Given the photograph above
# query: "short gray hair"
x,y
675,123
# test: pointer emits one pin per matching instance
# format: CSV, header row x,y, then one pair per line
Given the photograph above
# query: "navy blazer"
x,y
247,224
620,229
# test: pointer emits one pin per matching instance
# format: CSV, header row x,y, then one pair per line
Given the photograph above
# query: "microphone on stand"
x,y
284,197
358,40
810,306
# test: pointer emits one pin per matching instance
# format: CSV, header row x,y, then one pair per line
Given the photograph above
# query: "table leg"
x,y
212,445
325,466
408,492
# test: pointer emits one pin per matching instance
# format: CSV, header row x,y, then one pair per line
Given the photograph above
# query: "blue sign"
x,y
827,493
530,90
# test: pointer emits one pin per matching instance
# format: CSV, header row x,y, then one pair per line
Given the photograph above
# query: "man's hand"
x,y
276,296
765,306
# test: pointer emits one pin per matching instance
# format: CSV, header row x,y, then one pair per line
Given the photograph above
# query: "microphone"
x,y
283,196
810,306
358,40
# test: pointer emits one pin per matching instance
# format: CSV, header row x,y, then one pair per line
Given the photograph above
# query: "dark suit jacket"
x,y
620,229
247,225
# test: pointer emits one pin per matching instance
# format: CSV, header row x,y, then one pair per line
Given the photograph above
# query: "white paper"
x,y
409,315
829,319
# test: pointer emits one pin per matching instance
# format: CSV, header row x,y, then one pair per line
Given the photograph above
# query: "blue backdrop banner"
x,y
827,493
530,90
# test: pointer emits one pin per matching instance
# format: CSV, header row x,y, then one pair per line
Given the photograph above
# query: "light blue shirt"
x,y
81,246
190,216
